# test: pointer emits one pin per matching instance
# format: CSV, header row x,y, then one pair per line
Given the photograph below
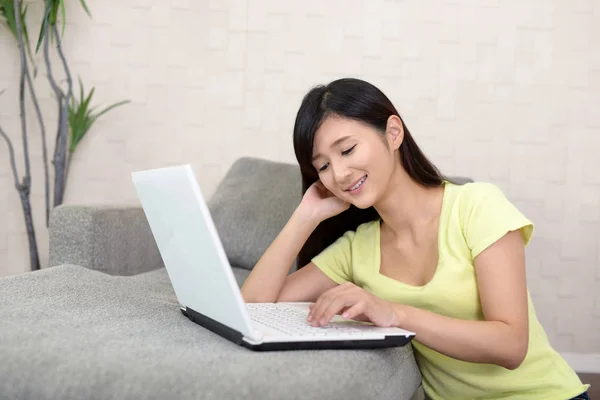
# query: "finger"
x,y
355,311
320,307
320,187
361,318
323,303
337,313
317,307
334,308
325,299
341,312
340,202
311,306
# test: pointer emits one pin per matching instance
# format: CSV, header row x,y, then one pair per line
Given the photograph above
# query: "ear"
x,y
394,132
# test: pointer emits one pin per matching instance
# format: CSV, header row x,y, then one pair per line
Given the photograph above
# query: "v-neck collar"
x,y
441,226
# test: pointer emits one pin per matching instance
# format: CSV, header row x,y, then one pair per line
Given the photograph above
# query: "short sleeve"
x,y
487,215
336,260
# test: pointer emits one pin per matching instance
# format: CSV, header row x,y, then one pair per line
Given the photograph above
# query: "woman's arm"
x,y
267,278
269,281
503,337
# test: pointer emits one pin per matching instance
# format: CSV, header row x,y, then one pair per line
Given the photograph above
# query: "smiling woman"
x,y
383,237
341,113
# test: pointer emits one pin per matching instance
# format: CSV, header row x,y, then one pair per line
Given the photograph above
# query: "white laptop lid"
x,y
189,244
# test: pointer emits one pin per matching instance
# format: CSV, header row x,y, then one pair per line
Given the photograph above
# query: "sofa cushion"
x,y
251,206
73,333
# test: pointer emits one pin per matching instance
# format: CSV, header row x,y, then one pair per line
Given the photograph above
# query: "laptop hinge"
x,y
212,325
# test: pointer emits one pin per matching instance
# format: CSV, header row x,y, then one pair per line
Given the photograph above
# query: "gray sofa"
x,y
102,320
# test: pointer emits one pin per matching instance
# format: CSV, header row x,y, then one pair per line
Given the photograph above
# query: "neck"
x,y
407,205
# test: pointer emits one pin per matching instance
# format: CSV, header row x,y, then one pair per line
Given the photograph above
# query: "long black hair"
x,y
357,100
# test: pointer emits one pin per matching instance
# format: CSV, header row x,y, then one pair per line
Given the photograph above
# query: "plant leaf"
x,y
80,89
64,17
54,11
82,115
115,105
51,16
7,11
44,27
85,7
86,103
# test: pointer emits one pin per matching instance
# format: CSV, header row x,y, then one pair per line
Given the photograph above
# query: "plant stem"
x,y
58,93
25,187
40,118
63,129
34,259
22,75
11,154
67,169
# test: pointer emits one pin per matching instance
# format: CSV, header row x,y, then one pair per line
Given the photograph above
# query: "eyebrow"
x,y
332,144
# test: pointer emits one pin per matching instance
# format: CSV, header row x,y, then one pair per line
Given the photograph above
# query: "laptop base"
x,y
237,338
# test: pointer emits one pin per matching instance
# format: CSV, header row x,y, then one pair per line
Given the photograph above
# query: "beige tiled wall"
x,y
507,92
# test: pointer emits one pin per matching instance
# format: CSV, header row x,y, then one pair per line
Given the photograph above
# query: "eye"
x,y
348,151
323,168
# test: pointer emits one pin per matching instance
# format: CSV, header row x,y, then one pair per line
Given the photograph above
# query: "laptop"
x,y
205,286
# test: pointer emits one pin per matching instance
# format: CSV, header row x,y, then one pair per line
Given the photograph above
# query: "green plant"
x,y
75,117
82,116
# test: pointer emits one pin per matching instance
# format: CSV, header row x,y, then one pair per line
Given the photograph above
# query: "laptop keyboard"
x,y
292,321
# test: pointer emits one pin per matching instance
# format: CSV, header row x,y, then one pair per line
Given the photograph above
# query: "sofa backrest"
x,y
252,204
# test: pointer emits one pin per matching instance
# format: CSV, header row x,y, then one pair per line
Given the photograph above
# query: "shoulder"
x,y
485,214
365,232
478,191
337,259
475,195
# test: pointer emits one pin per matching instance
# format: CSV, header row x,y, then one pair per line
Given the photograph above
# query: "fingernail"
x,y
323,321
309,318
345,315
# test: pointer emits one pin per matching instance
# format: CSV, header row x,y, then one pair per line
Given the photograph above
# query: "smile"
x,y
357,185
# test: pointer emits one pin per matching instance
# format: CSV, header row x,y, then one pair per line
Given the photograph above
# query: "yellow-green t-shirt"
x,y
473,216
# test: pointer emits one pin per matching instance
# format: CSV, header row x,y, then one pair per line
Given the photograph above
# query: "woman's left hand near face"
x,y
352,302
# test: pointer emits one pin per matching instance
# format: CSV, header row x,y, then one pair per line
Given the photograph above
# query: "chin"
x,y
363,203
362,206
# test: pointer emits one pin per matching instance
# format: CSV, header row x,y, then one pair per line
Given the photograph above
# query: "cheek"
x,y
378,163
327,180
381,169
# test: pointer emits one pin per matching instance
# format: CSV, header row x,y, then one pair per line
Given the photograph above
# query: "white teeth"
x,y
358,184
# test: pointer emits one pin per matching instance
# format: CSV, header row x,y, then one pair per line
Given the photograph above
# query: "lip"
x,y
354,183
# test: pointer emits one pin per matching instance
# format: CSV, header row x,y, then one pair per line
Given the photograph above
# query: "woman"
x,y
382,236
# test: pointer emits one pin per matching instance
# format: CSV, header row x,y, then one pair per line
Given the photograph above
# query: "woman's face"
x,y
355,161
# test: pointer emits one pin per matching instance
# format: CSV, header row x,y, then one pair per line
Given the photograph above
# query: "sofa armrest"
x,y
113,239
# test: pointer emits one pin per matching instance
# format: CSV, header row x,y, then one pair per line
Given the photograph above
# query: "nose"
x,y
341,173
